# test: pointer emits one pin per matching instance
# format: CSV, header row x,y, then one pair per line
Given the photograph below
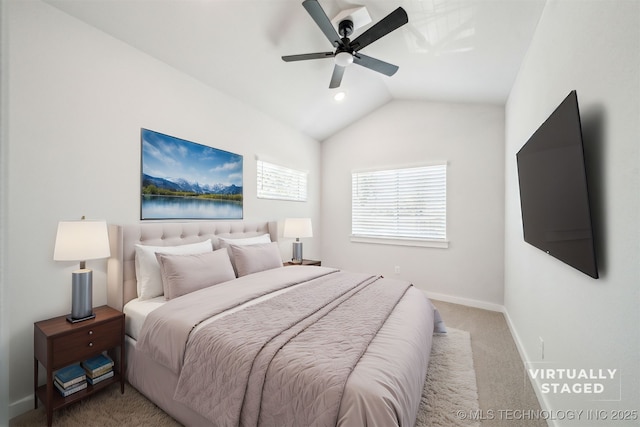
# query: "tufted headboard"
x,y
121,272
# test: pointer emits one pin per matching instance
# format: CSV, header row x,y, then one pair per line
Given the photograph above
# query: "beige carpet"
x,y
450,391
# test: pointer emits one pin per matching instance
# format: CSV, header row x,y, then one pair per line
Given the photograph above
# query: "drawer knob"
x,y
90,332
90,344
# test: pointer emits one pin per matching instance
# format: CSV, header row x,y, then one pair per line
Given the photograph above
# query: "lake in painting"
x,y
162,207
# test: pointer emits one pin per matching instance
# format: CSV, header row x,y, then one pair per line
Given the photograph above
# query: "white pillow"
x,y
185,273
148,270
265,238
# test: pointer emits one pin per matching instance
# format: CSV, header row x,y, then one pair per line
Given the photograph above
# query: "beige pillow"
x,y
254,258
185,273
226,242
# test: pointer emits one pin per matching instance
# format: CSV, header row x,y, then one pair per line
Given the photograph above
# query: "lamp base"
x,y
297,252
71,319
82,296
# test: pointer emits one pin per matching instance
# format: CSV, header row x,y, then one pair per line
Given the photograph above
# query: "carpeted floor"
x,y
500,372
450,390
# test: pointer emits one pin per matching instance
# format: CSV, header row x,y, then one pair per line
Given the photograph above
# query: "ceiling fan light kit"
x,y
343,59
347,51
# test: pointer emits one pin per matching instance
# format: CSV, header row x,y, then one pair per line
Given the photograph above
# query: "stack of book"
x,y
98,368
70,379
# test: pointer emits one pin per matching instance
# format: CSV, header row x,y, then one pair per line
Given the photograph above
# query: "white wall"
x,y
471,139
4,305
77,99
593,47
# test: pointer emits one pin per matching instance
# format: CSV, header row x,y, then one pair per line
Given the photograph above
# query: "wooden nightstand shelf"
x,y
58,343
304,262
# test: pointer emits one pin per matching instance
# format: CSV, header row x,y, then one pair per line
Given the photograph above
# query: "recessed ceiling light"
x,y
339,96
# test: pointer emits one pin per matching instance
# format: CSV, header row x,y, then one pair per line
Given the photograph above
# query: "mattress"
x,y
136,311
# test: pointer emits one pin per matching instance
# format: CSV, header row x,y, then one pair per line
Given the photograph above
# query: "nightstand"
x,y
58,343
304,262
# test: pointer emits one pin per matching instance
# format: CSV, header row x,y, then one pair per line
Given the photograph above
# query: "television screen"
x,y
553,190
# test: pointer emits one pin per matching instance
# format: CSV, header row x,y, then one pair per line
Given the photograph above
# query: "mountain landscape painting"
x,y
185,180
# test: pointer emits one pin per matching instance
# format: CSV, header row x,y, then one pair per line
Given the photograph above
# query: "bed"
x,y
274,346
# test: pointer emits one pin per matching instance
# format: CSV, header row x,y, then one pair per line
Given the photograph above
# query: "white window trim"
x,y
423,243
401,241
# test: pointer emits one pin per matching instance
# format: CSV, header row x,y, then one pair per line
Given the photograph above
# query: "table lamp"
x,y
297,228
80,241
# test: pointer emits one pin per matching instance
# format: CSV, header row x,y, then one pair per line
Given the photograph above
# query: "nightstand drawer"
x,y
83,343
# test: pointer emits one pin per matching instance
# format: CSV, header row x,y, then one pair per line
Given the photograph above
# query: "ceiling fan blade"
x,y
320,17
392,21
305,56
336,77
375,64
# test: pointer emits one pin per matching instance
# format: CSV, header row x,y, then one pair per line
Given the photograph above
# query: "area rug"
x,y
450,393
449,397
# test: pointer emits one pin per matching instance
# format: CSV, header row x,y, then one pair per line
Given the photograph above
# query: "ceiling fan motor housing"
x,y
345,28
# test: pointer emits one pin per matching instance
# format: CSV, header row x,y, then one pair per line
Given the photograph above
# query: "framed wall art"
x,y
185,180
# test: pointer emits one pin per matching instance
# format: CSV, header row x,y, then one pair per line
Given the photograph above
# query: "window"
x,y
405,206
279,182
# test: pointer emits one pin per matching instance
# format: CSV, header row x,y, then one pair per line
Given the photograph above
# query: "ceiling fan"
x,y
347,51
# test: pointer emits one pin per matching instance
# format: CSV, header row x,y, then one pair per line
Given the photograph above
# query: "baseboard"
x,y
465,301
21,406
542,400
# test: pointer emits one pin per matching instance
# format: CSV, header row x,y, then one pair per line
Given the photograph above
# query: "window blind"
x,y
407,203
279,182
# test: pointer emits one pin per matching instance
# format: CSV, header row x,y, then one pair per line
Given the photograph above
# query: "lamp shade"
x,y
81,241
297,227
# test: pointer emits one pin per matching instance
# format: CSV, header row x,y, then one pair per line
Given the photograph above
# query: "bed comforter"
x,y
286,360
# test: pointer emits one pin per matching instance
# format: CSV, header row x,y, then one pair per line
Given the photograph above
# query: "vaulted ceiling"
x,y
450,50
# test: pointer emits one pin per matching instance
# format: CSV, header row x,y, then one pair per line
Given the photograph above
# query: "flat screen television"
x,y
554,196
